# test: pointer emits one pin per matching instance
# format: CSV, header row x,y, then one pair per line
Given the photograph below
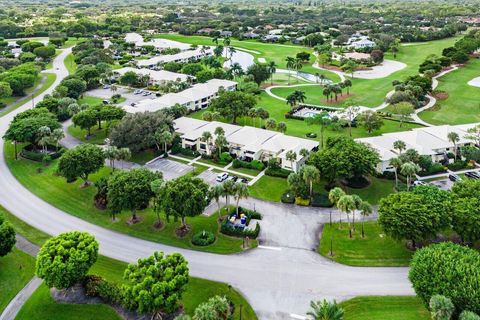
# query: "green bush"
x,y
321,200
288,197
457,165
96,286
225,158
302,202
37,156
203,238
236,232
449,270
468,315
254,164
280,173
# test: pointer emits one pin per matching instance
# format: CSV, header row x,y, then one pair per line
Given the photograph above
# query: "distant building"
x,y
251,35
182,57
360,42
226,34
156,76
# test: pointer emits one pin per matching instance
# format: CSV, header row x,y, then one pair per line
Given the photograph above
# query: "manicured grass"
x,y
372,92
378,189
381,308
269,188
70,63
16,269
299,128
41,306
375,250
90,100
269,51
144,156
251,172
70,198
12,105
98,136
463,102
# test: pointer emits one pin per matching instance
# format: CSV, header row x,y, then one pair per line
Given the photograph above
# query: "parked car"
x,y
222,177
232,178
243,180
454,177
106,86
145,94
106,102
419,183
472,175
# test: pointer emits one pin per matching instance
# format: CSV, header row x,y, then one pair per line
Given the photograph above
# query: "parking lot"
x,y
170,169
128,94
210,177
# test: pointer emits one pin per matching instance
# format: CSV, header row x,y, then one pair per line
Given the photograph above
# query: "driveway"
x,y
106,94
170,169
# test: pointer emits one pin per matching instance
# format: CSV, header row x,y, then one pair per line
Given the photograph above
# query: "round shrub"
x,y
7,237
65,259
203,238
468,315
449,270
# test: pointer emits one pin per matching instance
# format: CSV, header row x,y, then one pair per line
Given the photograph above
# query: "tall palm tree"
x,y
282,127
228,190
298,65
347,204
301,97
399,145
322,119
240,192
290,66
324,310
334,195
231,51
56,136
453,137
292,100
124,154
270,124
396,163
358,203
409,169
166,138
291,156
206,137
347,83
365,210
272,68
220,143
216,192
327,91
310,174
44,132
111,153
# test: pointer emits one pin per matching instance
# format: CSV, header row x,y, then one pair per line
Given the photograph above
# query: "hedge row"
x,y
278,172
38,156
236,232
254,164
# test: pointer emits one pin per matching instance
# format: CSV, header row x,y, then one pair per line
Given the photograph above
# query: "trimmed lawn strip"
x,y
388,307
378,189
375,250
70,198
16,269
98,136
269,188
70,63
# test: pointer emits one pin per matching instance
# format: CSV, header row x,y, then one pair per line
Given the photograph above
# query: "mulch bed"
x,y
339,98
441,95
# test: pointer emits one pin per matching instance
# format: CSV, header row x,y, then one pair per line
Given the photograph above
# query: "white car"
x,y
419,183
222,177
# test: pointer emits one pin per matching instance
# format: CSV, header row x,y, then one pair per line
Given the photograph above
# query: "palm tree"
x,y
290,66
310,174
347,83
282,127
270,124
409,169
323,119
220,143
240,191
253,113
236,69
301,97
292,100
216,192
206,137
336,89
124,154
358,204
231,50
165,138
215,40
304,153
298,65
324,310
228,190
44,133
111,153
453,137
334,195
226,44
327,91
347,204
272,68
396,163
291,156
399,145
56,136
365,210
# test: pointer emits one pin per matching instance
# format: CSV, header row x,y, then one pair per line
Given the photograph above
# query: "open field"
x,y
376,249
70,198
381,308
463,102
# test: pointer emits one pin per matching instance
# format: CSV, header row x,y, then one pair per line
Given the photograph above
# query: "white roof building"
x,y
247,142
158,43
156,76
185,56
427,141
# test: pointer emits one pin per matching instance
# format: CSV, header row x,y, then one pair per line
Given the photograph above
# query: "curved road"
x,y
277,282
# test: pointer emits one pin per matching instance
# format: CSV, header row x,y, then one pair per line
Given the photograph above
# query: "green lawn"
x,y
299,128
463,102
375,250
15,102
70,63
16,269
269,51
378,189
269,188
90,100
372,92
381,308
70,198
98,136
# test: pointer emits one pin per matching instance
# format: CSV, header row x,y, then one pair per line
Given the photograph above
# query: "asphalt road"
x,y
277,281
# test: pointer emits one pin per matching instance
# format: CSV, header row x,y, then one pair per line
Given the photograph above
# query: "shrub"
x,y
254,164
450,270
389,175
457,165
203,238
288,197
441,307
311,135
7,237
302,202
96,286
30,154
225,158
237,232
280,172
321,200
468,315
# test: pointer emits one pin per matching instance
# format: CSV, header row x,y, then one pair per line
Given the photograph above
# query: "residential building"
x,y
195,98
156,76
246,143
159,44
428,141
182,57
357,41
